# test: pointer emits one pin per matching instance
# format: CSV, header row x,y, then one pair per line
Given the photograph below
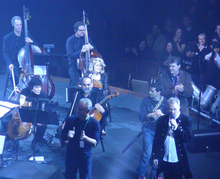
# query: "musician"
x,y
83,133
177,83
169,153
12,44
34,90
151,109
94,95
75,46
100,75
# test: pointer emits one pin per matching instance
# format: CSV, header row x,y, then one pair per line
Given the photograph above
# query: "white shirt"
x,y
170,154
217,58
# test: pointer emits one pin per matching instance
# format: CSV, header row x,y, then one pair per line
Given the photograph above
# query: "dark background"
x,y
115,24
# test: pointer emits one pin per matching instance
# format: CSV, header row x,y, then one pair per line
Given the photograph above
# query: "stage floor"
x,y
111,164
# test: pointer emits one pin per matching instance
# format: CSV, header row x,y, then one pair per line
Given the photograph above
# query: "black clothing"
x,y
79,157
40,129
95,96
12,44
182,134
105,84
201,55
73,50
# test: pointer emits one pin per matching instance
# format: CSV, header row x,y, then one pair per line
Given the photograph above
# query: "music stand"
x,y
38,114
5,107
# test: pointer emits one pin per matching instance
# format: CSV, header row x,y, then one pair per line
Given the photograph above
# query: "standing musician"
x,y
34,91
83,133
151,109
92,94
99,75
12,43
75,46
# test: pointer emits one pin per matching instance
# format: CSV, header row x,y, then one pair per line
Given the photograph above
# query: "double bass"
x,y
85,62
26,63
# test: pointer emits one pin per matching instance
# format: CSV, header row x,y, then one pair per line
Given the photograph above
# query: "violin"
x,y
95,113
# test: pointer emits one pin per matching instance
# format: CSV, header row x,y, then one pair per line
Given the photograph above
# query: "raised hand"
x,y
71,133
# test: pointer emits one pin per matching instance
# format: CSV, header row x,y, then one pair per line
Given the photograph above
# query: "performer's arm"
x,y
70,52
6,53
88,140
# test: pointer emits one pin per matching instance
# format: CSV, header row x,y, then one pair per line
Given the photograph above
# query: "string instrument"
x,y
26,63
95,113
16,128
85,62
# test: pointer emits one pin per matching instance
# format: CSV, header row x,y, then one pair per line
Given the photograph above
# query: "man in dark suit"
x,y
169,153
12,44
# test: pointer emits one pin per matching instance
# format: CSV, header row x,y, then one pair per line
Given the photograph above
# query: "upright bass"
x,y
26,62
85,62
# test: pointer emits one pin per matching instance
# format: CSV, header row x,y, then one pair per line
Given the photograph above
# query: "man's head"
x,y
187,21
35,85
85,105
174,106
87,84
155,29
155,90
79,29
174,65
16,22
217,29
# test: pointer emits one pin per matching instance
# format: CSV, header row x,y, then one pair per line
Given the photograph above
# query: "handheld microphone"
x,y
172,126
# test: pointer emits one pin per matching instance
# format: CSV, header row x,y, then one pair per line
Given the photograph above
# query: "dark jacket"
x,y
167,83
182,134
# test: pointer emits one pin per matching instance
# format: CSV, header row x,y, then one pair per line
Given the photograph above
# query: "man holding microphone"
x,y
169,154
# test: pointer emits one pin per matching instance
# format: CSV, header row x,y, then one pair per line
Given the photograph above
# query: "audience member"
x,y
203,49
212,76
139,53
216,37
177,83
156,42
189,31
190,64
169,29
165,54
180,43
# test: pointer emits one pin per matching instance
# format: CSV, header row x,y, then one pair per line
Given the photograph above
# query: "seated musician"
x,y
99,75
94,95
34,90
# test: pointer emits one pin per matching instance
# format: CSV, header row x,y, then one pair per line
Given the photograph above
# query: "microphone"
x,y
172,126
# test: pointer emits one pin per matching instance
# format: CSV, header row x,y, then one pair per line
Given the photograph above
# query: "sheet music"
x,y
8,104
2,142
3,111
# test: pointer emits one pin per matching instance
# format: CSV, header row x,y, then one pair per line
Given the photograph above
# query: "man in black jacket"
x,y
169,153
12,44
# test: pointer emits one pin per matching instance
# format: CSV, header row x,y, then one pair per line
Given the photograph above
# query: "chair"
x,y
146,71
125,67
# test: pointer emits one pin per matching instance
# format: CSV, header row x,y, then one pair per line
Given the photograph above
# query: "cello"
x,y
16,128
25,60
